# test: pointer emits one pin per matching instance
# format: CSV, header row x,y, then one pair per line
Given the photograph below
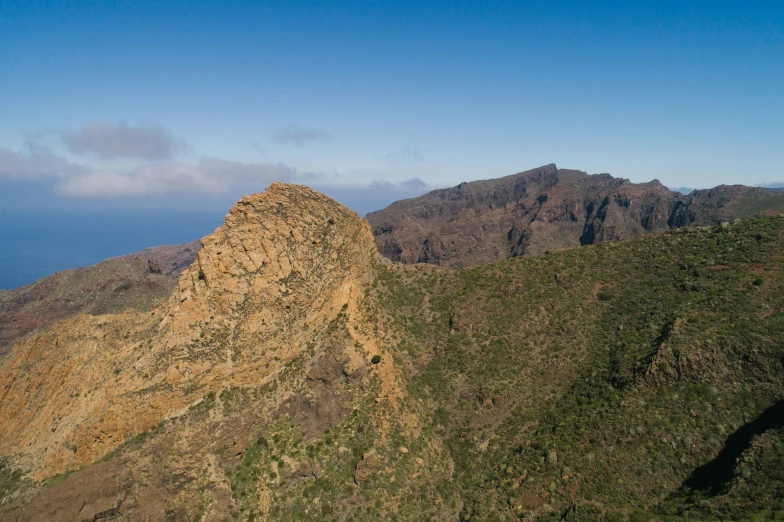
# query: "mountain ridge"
x,y
544,209
294,373
138,281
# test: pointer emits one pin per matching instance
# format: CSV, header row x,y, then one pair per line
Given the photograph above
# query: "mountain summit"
x,y
264,284
546,209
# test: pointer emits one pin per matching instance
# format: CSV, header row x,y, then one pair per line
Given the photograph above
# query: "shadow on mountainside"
x,y
712,478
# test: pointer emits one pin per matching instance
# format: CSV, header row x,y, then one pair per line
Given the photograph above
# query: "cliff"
x,y
264,284
546,209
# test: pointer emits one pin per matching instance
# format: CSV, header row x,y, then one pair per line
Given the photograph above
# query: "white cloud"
x,y
210,176
235,172
413,184
118,140
36,163
39,164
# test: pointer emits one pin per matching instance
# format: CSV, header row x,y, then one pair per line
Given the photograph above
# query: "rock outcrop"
x,y
545,209
173,259
264,285
282,259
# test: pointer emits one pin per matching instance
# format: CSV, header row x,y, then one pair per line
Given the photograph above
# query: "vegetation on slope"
x,y
638,380
595,381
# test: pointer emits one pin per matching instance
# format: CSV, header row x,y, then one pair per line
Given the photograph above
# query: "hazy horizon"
x,y
48,240
149,108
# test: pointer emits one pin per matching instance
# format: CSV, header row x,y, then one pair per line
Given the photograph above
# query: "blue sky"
x,y
140,104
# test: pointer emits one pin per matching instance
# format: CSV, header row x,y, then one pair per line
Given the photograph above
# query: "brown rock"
x,y
173,374
366,467
74,392
545,209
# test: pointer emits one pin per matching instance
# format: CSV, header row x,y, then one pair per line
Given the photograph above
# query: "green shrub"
x,y
10,479
376,359
604,295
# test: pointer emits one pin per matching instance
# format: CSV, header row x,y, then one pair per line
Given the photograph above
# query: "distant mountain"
x,y
546,209
133,282
682,190
775,187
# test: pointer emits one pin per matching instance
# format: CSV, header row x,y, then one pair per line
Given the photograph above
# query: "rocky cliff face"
x,y
546,209
265,284
724,203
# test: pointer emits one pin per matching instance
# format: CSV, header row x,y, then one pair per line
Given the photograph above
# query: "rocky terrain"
x,y
173,259
133,282
294,374
112,286
546,209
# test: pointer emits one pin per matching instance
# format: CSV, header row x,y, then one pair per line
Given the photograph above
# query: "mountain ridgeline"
x,y
546,209
136,281
293,373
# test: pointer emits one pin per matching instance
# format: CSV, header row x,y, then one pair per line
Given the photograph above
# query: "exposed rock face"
x,y
264,286
289,247
546,209
724,203
173,259
115,285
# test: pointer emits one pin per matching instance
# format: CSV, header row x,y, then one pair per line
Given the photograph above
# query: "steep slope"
x,y
137,281
592,383
173,259
724,203
546,209
134,283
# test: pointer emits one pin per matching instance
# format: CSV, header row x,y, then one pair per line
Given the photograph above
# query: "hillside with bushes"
x,y
295,374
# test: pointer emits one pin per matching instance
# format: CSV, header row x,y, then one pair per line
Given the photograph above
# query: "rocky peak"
x,y
264,285
289,246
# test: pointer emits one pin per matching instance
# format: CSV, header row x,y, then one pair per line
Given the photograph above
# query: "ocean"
x,y
36,242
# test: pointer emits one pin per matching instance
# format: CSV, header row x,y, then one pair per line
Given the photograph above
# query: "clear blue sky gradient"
x,y
686,92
